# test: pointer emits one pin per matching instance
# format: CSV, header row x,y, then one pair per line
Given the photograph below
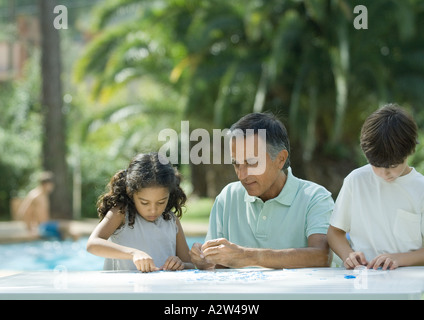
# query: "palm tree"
x,y
301,59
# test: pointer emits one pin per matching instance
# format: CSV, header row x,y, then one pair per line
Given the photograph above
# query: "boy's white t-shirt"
x,y
381,217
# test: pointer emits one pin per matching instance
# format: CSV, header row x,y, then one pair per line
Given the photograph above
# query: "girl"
x,y
139,226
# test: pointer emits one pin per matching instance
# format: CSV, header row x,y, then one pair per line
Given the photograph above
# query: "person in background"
x,y
35,212
139,227
381,205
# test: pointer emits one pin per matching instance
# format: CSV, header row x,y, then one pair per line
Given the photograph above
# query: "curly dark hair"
x,y
144,171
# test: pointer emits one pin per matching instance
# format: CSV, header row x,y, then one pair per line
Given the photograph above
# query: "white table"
x,y
239,284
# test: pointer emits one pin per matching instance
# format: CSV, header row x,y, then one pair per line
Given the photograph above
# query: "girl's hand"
x,y
355,259
144,262
173,263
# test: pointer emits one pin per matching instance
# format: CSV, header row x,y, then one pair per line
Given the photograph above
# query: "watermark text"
x,y
239,147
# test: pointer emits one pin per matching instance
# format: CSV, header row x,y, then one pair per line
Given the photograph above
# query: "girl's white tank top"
x,y
157,239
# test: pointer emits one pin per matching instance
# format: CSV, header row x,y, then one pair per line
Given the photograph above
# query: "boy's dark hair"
x,y
277,138
389,136
144,171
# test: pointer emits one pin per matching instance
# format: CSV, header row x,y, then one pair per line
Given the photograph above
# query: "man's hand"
x,y
198,258
223,252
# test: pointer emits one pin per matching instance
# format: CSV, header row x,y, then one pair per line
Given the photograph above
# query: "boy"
x,y
381,204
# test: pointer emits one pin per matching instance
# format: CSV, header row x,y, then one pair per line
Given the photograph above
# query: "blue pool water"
x,y
49,255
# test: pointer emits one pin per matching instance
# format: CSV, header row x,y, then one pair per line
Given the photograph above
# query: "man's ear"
x,y
282,158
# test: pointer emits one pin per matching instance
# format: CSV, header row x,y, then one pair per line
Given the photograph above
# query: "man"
x,y
269,218
35,211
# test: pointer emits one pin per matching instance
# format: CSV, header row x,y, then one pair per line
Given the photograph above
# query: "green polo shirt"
x,y
301,209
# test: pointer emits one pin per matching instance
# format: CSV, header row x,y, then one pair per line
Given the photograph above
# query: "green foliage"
x,y
198,210
417,159
20,136
301,59
150,64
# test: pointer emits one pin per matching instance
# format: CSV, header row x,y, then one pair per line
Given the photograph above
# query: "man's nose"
x,y
242,172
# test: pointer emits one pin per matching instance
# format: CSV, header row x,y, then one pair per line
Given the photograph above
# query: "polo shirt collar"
x,y
287,194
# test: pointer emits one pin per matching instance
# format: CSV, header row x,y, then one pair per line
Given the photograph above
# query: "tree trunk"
x,y
54,139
